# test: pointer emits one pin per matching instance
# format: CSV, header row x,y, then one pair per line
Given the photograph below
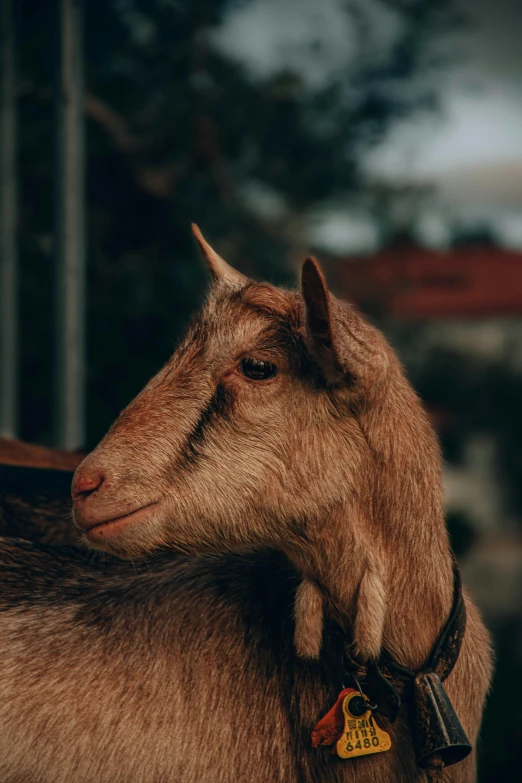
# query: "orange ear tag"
x,y
361,736
330,728
353,733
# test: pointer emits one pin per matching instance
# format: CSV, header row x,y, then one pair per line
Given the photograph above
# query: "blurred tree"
x,y
179,132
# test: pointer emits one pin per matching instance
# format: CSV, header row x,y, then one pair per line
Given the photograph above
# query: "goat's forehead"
x,y
236,315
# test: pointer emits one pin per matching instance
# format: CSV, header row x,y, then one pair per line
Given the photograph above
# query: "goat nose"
x,y
86,483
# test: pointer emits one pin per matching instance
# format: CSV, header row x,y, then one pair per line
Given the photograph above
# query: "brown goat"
x,y
35,504
16,452
282,429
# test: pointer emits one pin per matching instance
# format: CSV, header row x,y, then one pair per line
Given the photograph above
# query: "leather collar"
x,y
387,682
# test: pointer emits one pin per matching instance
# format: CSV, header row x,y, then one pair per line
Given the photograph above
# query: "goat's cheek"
x,y
187,530
207,516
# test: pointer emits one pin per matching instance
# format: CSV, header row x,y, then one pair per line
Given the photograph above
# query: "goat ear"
x,y
340,340
217,266
319,323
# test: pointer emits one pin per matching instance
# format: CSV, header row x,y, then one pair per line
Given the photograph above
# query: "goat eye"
x,y
257,370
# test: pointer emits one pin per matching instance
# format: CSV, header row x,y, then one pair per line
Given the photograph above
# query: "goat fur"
x,y
207,666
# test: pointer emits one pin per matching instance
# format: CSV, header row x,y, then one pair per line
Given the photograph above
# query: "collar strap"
x,y
438,737
386,681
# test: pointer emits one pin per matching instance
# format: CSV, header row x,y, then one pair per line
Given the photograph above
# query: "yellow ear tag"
x,y
361,735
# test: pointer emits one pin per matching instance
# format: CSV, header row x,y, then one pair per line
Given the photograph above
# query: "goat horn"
x,y
218,267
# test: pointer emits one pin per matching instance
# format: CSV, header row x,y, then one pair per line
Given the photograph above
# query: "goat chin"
x,y
135,535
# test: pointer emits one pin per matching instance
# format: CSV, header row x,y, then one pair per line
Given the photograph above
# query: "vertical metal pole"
x,y
8,256
70,233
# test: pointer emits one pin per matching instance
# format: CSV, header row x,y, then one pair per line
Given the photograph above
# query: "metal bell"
x,y
437,728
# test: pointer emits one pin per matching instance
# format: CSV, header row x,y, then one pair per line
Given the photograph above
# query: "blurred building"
x,y
407,281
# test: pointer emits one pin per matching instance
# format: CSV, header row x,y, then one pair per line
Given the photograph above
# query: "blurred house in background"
x,y
407,281
384,135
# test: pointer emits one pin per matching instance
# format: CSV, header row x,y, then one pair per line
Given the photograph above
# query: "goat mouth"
x,y
102,530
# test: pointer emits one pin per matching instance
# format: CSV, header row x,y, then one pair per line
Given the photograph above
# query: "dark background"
x,y
368,126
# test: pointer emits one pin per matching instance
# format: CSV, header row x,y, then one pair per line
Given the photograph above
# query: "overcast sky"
x,y
472,152
482,104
